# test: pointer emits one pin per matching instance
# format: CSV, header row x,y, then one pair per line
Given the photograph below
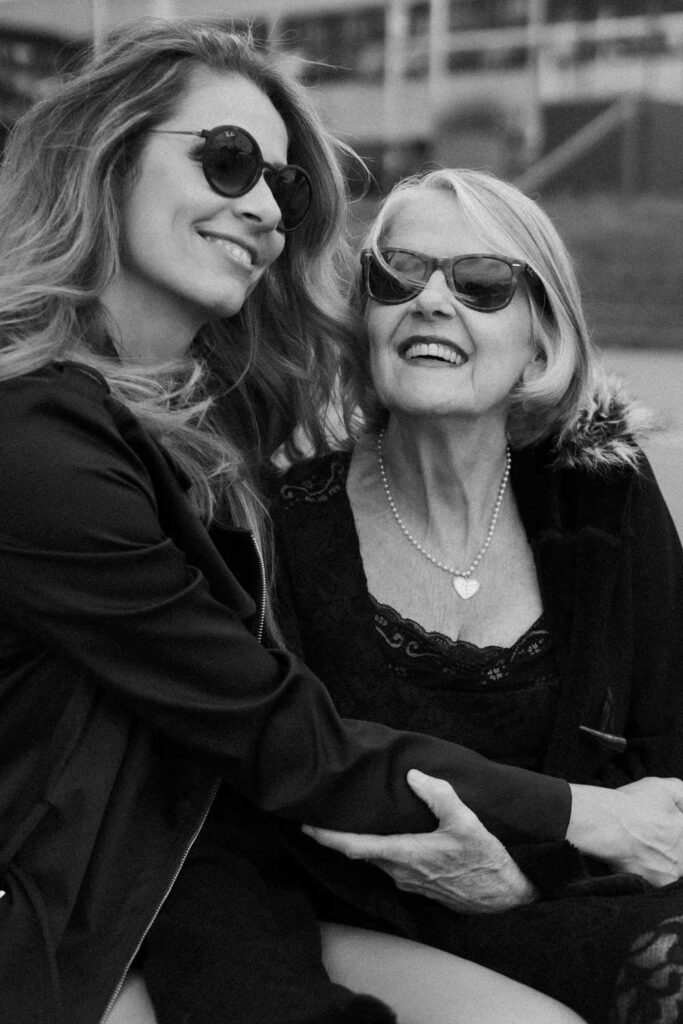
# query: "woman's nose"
x,y
436,298
258,204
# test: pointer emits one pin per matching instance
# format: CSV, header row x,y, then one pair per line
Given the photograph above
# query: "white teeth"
x,y
434,350
232,248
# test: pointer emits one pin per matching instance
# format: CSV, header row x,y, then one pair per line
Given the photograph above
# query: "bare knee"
x,y
427,986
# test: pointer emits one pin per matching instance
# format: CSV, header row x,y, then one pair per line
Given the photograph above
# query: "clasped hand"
x,y
637,828
460,864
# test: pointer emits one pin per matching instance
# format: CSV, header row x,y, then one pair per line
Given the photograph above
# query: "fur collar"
x,y
606,435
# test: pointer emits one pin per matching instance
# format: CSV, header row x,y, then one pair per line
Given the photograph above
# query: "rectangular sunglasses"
x,y
232,163
482,282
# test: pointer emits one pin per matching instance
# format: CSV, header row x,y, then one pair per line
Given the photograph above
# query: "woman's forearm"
x,y
637,828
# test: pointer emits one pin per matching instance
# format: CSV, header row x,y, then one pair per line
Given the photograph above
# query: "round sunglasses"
x,y
482,282
232,163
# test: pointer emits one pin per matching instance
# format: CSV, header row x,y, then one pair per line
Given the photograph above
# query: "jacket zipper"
x,y
190,844
262,596
212,796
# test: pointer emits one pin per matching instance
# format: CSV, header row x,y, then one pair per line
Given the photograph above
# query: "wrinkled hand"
x,y
637,828
460,864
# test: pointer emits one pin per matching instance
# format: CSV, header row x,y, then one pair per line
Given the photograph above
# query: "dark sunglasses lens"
x,y
291,188
231,162
397,279
482,283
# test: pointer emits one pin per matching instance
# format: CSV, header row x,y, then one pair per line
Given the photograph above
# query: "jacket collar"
x,y
605,434
580,478
565,501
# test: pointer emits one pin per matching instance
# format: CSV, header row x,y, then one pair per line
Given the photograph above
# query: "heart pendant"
x,y
466,587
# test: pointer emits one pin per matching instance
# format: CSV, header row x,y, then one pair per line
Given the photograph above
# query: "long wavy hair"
x,y
248,381
570,384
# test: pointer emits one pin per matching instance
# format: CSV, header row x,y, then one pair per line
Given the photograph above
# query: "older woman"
x,y
493,563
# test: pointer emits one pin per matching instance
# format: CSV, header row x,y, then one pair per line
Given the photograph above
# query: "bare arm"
x,y
637,828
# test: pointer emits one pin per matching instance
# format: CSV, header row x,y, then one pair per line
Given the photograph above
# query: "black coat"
x,y
610,569
130,682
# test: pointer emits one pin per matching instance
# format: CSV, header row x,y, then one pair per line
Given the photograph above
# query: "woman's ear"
x,y
534,368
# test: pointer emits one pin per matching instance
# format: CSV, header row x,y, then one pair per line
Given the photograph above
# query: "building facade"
x,y
406,82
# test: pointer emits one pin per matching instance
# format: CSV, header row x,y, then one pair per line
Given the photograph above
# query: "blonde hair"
x,y
514,225
223,409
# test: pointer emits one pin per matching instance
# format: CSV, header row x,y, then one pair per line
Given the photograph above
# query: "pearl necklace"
x,y
463,582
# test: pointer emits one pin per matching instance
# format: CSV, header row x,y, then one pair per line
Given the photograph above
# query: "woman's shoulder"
x,y
591,475
604,441
67,471
313,482
59,373
52,388
51,414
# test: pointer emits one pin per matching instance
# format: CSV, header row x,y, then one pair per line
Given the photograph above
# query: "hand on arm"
x,y
637,828
460,864
150,612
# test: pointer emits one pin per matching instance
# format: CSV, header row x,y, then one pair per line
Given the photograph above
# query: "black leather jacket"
x,y
131,681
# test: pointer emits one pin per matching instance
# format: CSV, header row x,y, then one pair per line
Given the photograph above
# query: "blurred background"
x,y
580,102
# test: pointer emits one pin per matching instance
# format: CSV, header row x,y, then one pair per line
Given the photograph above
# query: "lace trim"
x,y
650,985
410,647
320,487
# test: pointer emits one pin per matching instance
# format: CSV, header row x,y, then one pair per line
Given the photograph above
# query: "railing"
x,y
622,113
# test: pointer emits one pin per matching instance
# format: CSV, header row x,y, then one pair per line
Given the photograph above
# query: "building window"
x,y
417,49
587,51
589,10
475,14
572,10
30,63
498,59
418,19
344,44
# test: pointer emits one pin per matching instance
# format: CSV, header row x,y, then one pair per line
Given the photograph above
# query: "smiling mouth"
x,y
234,249
439,351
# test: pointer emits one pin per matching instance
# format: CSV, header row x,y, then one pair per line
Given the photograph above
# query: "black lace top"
x,y
500,701
380,666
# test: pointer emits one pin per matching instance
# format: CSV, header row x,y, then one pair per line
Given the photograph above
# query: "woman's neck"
x,y
442,474
144,330
458,511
